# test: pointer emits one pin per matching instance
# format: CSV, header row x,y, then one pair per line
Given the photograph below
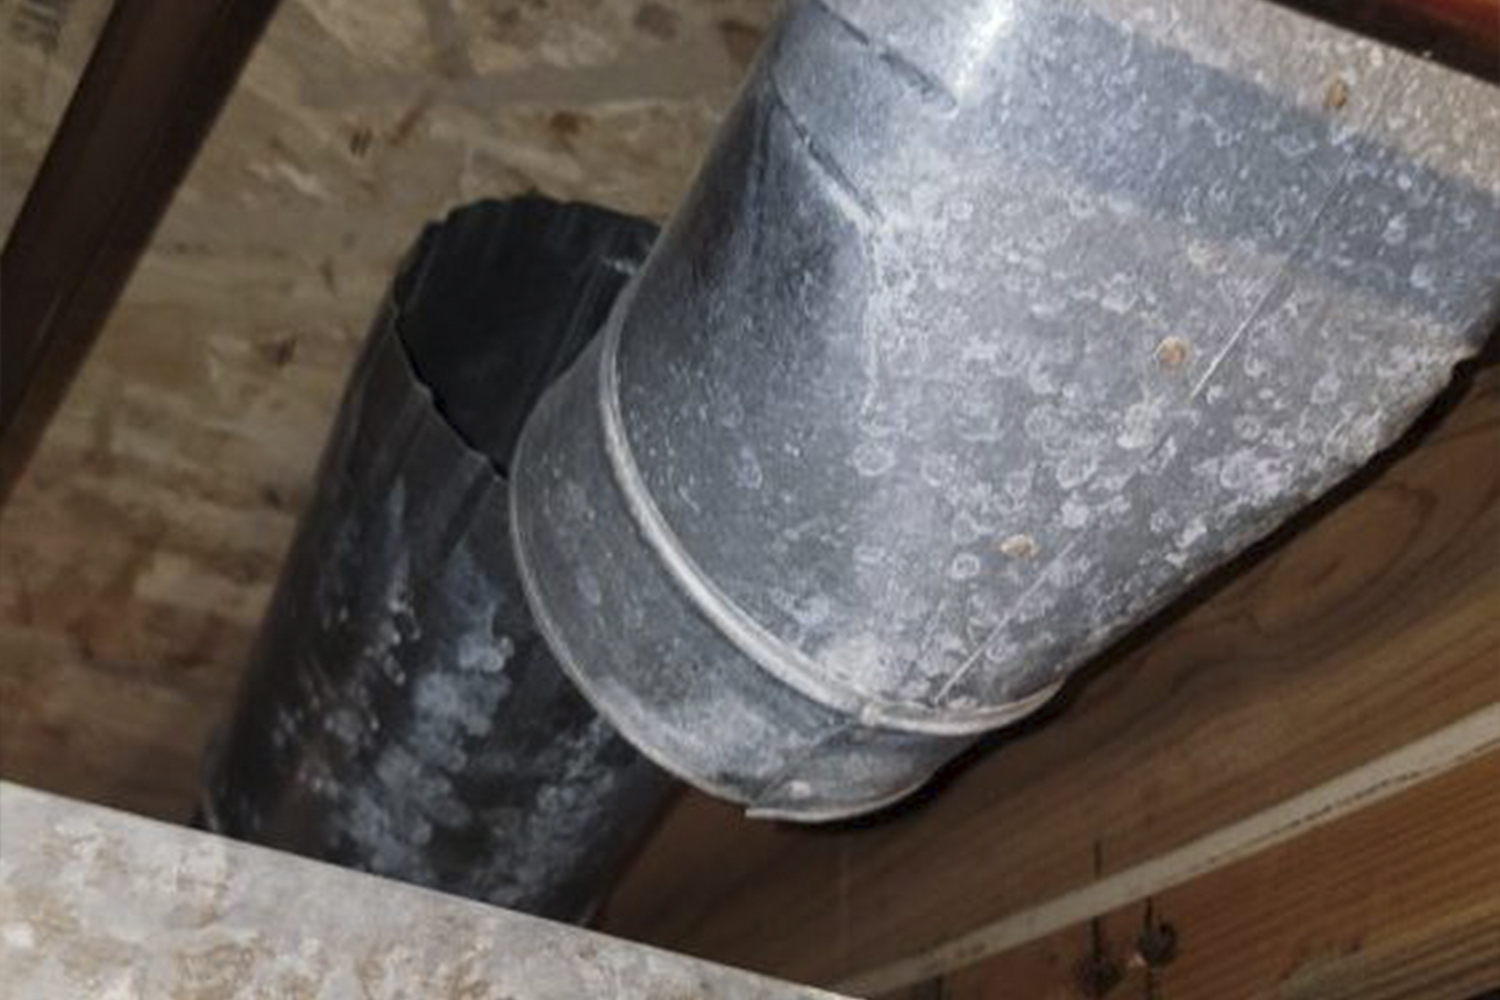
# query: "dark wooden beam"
x,y
157,78
1464,34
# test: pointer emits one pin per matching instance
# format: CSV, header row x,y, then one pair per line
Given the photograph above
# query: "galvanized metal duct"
x,y
988,327
400,713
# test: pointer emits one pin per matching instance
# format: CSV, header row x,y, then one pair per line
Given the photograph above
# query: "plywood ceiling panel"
x,y
139,549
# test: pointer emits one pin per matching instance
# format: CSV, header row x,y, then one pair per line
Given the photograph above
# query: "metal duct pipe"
x,y
400,713
988,326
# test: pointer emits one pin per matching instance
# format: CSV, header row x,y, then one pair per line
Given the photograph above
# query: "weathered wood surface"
x,y
1428,759
138,550
1398,901
1373,626
95,903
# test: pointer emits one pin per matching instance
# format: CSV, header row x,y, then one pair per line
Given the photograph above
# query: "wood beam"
x,y
158,76
1399,900
1201,861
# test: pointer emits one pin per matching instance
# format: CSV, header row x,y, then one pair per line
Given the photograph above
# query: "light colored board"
x,y
154,84
1375,626
137,553
95,903
1398,901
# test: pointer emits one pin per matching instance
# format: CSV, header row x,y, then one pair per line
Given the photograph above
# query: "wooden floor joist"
x,y
154,85
1472,739
1398,900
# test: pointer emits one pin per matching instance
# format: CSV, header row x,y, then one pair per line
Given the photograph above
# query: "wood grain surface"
x,y
1399,901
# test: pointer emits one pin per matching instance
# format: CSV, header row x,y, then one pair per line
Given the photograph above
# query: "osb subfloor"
x,y
139,550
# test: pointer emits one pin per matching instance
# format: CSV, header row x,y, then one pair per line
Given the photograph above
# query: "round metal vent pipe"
x,y
988,326
400,712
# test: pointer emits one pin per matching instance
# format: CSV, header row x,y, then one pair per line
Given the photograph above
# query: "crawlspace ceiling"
x,y
138,551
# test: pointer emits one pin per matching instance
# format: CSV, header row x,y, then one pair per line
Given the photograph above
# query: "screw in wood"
x,y
1156,946
1097,973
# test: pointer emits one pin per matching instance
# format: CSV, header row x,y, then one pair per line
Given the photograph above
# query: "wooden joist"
x,y
97,903
154,84
1372,628
1396,901
1475,739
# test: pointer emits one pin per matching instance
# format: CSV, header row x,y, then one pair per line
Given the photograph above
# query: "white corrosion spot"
x,y
965,566
872,459
19,935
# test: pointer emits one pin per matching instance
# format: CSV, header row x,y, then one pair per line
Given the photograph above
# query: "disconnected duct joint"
x,y
987,327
